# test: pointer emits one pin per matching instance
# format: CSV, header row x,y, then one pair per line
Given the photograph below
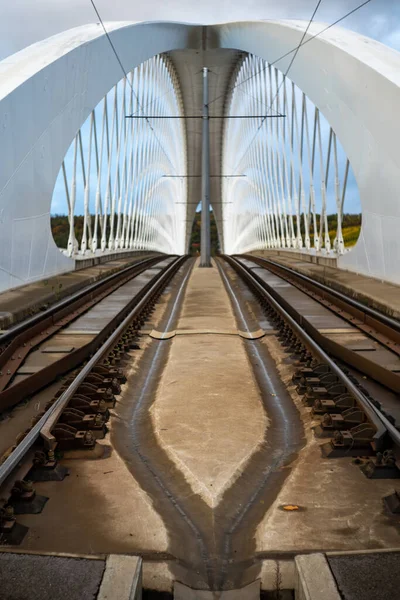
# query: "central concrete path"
x,y
208,415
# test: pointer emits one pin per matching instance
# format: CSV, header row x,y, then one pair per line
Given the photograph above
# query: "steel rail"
x,y
52,310
380,422
373,313
17,455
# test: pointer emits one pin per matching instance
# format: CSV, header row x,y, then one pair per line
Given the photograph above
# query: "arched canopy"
x,y
48,90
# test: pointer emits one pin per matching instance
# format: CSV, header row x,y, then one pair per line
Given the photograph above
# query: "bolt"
x,y
9,513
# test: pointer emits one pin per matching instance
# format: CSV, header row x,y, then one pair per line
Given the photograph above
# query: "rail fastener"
x,y
368,432
99,379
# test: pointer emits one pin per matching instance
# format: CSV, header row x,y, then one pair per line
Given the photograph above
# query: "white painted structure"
x,y
128,170
285,178
48,90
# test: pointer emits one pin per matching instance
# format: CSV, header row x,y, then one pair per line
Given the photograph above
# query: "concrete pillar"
x,y
205,246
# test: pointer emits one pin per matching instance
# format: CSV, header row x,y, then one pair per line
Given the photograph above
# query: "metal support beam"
x,y
205,260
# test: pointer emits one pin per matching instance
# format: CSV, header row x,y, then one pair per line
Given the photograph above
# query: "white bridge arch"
x,y
49,89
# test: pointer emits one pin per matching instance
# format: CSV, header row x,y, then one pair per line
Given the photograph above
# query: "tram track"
x,y
209,546
77,414
18,380
355,422
378,358
213,546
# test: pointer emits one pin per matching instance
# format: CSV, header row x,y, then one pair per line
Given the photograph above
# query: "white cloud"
x,y
24,22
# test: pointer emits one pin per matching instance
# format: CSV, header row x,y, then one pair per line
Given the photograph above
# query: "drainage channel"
x,y
213,546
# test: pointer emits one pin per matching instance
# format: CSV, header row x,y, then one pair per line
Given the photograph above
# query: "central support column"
x,y
205,180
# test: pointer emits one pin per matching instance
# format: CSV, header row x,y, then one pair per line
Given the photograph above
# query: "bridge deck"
x,y
206,447
217,404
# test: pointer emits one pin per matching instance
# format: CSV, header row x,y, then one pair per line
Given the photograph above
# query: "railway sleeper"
x,y
24,499
90,390
329,391
96,393
343,402
70,438
120,353
46,467
381,466
303,373
84,421
124,347
352,442
392,503
108,382
114,358
345,420
293,347
11,532
328,396
120,356
99,380
89,406
323,380
107,370
297,348
305,358
86,405
131,344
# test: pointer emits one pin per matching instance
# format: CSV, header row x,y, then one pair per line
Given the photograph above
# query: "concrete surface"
x,y
203,421
41,577
208,415
99,508
373,292
213,544
157,576
122,579
249,592
274,570
367,576
314,580
23,302
340,508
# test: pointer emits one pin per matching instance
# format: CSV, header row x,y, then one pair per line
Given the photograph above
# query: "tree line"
x,y
351,224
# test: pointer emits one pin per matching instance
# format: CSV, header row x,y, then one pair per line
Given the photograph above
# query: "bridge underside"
x,y
188,65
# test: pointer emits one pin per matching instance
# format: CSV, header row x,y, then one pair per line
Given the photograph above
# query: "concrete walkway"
x,y
208,414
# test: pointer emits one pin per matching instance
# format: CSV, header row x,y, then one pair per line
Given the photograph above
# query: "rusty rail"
x,y
56,309
385,331
26,336
369,317
139,305
381,424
